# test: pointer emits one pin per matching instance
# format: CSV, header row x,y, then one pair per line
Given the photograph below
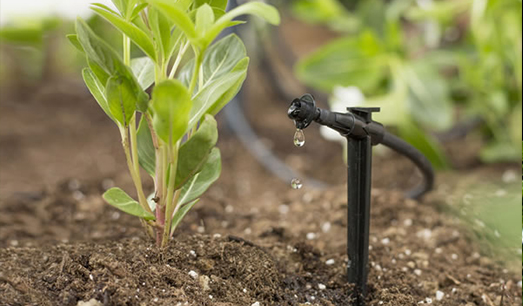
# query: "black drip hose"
x,y
399,145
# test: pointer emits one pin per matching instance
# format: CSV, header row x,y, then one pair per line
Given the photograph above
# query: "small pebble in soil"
x,y
229,209
311,236
330,262
296,183
408,252
385,241
322,287
326,227
417,272
78,195
192,253
193,274
440,295
255,304
454,256
283,209
73,185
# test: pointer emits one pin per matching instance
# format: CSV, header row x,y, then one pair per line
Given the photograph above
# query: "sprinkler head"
x,y
303,111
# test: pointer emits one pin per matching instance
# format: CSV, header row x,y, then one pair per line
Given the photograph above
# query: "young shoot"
x,y
172,133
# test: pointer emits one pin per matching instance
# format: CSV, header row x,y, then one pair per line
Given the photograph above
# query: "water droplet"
x,y
296,183
299,138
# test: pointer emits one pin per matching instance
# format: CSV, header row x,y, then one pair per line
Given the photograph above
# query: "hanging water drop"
x,y
299,138
296,183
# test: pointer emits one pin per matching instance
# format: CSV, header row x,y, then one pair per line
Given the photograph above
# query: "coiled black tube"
x,y
399,145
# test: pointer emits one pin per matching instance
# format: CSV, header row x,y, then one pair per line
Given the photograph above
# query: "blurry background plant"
x,y
429,64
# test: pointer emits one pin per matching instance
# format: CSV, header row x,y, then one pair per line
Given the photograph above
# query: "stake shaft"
x,y
359,188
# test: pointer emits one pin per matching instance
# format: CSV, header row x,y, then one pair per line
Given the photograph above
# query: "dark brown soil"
x,y
251,238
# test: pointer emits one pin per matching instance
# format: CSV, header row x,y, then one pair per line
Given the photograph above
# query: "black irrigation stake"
x,y
362,133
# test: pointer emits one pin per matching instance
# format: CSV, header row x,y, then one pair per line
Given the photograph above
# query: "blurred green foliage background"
x,y
428,64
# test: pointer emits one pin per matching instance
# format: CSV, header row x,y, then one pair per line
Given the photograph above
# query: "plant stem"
x,y
136,178
126,50
178,60
197,64
171,196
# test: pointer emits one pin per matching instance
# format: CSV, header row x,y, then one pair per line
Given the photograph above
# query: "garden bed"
x,y
251,238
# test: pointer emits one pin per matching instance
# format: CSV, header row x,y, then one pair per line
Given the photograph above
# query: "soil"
x,y
251,238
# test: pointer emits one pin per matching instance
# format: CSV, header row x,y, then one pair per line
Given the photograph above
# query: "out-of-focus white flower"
x,y
342,97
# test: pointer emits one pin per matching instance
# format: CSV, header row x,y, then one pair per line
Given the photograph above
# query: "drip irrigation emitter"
x,y
362,133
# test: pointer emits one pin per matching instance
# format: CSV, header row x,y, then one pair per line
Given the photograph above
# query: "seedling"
x,y
362,133
172,134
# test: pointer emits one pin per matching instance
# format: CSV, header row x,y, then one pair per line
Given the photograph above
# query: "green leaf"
x,y
161,27
233,85
429,101
97,50
219,60
121,5
73,39
218,93
121,99
139,37
119,199
345,62
194,153
138,9
171,105
105,7
262,10
97,90
178,15
204,19
197,185
221,4
146,151
143,69
98,71
177,218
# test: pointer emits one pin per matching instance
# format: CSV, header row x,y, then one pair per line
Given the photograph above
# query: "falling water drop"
x,y
296,183
299,138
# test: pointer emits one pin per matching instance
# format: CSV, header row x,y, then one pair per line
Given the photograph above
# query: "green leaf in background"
x,y
139,37
194,153
97,90
198,184
330,12
221,4
412,134
121,99
204,19
177,218
104,7
218,93
138,9
171,105
262,10
429,101
73,39
143,69
146,150
178,15
119,199
349,61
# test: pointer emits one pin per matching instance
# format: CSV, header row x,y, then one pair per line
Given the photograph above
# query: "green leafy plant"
x,y
172,134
